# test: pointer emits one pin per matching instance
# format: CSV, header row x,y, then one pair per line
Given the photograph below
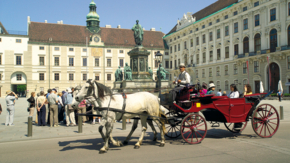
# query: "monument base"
x,y
117,86
138,85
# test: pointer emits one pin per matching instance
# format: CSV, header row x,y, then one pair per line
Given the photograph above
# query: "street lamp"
x,y
158,58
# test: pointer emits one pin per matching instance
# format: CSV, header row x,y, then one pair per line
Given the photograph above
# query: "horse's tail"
x,y
162,116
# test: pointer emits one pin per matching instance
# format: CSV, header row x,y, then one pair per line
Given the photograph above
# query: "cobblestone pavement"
x,y
19,131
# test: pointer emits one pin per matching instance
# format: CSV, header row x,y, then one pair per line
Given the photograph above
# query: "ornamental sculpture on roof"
x,y
138,33
185,21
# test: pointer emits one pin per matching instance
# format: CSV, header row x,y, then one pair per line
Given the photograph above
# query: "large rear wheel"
x,y
193,128
265,120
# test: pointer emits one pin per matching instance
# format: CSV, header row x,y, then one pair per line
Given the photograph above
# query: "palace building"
x,y
57,55
218,42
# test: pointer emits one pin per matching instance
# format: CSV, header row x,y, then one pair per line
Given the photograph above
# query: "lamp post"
x,y
158,58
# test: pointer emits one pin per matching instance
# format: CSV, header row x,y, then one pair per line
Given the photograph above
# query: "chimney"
x,y
152,29
61,22
119,26
58,22
45,21
28,19
108,26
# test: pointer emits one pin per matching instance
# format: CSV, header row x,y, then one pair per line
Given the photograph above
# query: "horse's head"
x,y
88,90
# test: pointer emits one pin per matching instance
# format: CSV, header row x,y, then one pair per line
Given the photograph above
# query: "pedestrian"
x,y
31,101
211,89
219,93
63,97
36,115
70,117
224,93
60,105
10,102
53,108
48,106
82,110
41,108
279,94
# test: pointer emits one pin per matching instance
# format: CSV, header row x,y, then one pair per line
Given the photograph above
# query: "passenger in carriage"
x,y
182,81
211,89
204,89
248,90
234,92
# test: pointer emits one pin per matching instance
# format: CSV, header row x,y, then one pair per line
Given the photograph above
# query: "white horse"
x,y
142,104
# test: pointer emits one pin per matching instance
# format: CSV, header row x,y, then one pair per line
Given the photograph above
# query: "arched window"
x,y
226,85
246,45
257,42
273,40
289,34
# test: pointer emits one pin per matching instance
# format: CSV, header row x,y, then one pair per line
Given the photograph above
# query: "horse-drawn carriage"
x,y
184,116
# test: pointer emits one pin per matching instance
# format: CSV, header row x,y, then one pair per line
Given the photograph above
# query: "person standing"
x,y
82,110
36,115
31,101
63,97
279,95
70,117
60,105
10,101
41,109
47,110
219,93
53,108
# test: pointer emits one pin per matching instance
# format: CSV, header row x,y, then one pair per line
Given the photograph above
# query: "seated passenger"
x,y
211,89
234,92
248,89
182,81
204,89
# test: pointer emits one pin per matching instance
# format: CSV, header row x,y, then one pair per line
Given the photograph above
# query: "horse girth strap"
x,y
124,106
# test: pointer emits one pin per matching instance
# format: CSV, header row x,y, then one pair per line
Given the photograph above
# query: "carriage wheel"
x,y
265,120
173,129
194,128
230,127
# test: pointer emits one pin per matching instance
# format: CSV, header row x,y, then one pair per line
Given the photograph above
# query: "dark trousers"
x,y
48,119
175,92
279,98
41,116
60,113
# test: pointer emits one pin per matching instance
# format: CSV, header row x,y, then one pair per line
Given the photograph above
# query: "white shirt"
x,y
234,95
60,101
186,80
219,94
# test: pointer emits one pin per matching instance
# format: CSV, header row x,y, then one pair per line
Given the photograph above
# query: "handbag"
x,y
28,109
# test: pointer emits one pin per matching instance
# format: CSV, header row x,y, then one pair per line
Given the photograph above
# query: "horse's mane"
x,y
103,91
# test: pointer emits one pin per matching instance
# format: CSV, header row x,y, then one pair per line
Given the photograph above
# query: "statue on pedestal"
x,y
127,72
118,74
163,72
150,72
138,33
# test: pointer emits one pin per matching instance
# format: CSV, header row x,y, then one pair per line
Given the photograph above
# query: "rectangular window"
x,y
203,38
257,20
84,77
244,68
108,62
71,77
218,57
56,61
174,48
121,51
218,71
245,24
109,51
174,38
226,30
41,48
191,43
210,23
71,49
41,76
97,77
197,58
235,69
226,85
41,61
196,74
227,52
71,61
85,63
210,36
178,62
121,62
273,14
256,4
175,64
166,53
185,45
210,72
203,26
256,66
97,62
203,57
56,76
166,64
237,49
18,77
226,17
184,34
288,58
190,31
109,77
84,49
56,48
170,49
218,85
196,29
171,64
236,27
218,34
18,40
211,56
226,70
235,13
18,60
197,40
178,47
245,8
218,20
203,73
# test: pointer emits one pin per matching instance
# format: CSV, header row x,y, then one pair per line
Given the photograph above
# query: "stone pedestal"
x,y
138,85
117,86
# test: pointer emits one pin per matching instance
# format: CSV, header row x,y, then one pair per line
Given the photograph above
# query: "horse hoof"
x,y
136,147
125,143
121,145
161,145
102,152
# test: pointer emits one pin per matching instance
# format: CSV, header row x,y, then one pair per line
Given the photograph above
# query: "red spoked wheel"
x,y
193,128
230,127
265,120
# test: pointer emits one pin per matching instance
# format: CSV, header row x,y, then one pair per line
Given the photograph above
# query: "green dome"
x,y
93,3
93,15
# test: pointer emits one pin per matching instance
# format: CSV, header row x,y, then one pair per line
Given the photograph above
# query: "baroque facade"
x,y
234,41
56,55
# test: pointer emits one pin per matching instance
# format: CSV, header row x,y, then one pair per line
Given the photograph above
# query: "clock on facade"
x,y
96,39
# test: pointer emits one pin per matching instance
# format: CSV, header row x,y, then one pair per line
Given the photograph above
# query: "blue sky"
x,y
151,13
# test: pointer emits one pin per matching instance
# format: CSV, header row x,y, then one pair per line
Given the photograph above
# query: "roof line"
x,y
201,19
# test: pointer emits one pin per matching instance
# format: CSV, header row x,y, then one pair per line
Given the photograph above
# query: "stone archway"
x,y
274,77
18,82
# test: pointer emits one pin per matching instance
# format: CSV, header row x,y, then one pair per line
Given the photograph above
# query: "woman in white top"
x,y
234,92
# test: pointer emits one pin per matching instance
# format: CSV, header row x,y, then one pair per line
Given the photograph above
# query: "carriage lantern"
x,y
158,57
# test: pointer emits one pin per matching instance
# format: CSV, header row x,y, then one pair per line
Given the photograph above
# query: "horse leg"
x,y
106,140
135,125
153,129
101,132
161,127
144,128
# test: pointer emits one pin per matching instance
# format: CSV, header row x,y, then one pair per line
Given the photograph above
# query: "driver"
x,y
182,81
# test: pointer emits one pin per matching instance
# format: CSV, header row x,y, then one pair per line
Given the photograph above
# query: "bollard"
x,y
29,130
281,113
80,124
